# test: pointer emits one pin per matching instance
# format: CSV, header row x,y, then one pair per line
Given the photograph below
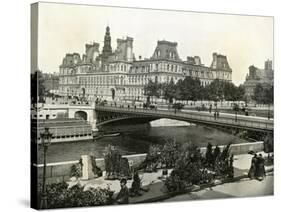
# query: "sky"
x,y
66,28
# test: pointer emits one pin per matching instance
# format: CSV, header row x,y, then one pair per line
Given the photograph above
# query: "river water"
x,y
137,138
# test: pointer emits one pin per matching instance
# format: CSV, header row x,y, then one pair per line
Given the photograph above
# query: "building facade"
x,y
118,75
258,76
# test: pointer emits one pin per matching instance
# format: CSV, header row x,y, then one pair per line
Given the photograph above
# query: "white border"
x,y
15,63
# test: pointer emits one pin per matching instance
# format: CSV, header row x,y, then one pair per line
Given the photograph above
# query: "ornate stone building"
x,y
258,76
117,75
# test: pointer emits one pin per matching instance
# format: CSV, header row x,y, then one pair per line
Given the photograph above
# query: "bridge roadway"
x,y
198,117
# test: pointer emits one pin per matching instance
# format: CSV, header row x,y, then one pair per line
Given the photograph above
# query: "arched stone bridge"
x,y
99,115
109,114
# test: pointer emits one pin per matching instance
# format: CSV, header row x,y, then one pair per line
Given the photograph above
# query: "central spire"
x,y
107,50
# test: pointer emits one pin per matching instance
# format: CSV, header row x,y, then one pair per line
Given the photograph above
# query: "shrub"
x,y
76,169
189,170
116,167
60,196
209,155
161,156
223,165
169,154
216,153
152,159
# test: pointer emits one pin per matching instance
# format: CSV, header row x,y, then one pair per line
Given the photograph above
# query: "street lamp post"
x,y
216,104
268,112
46,137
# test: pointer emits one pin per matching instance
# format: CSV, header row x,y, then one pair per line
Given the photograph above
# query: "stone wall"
x,y
58,172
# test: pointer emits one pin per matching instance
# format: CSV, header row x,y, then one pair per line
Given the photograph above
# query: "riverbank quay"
x,y
154,184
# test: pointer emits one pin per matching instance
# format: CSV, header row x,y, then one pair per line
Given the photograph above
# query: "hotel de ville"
x,y
119,75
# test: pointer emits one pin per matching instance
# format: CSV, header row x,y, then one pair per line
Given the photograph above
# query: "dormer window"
x,y
158,53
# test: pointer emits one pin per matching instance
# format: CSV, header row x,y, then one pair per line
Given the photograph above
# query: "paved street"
x,y
243,188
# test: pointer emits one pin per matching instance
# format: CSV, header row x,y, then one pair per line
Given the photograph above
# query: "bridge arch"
x,y
81,115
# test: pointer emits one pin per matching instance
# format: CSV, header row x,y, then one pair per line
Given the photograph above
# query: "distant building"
x,y
258,76
117,75
51,82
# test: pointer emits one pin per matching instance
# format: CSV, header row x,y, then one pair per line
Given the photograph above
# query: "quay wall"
x,y
58,172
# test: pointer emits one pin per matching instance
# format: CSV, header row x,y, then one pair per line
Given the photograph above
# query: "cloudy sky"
x,y
66,28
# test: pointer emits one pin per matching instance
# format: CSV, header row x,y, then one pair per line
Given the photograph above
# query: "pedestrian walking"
x,y
210,108
260,169
253,169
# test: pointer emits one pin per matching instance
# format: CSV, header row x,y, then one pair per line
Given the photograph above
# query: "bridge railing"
x,y
230,119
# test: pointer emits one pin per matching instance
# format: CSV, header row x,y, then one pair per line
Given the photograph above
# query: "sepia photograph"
x,y
133,105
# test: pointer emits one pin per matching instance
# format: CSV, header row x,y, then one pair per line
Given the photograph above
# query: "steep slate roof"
x,y
166,50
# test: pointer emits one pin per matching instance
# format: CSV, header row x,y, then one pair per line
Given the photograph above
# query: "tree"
x,y
178,93
240,93
190,89
216,90
269,97
152,89
169,90
230,92
258,94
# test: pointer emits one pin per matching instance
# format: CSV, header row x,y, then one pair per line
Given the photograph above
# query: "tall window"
x,y
158,53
